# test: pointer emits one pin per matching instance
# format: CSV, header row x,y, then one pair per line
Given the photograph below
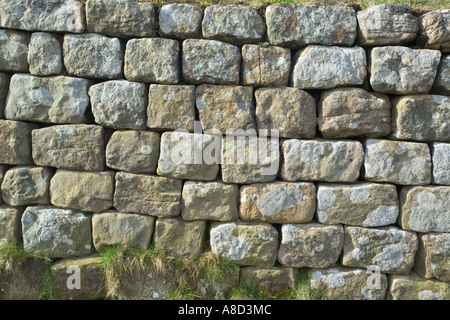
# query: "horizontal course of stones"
x,y
91,95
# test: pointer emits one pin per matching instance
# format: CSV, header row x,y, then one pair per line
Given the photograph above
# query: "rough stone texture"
x,y
321,160
133,151
210,61
295,25
63,233
225,107
402,70
77,147
350,112
370,204
389,248
26,185
245,243
406,163
4,86
236,24
421,117
441,163
92,55
290,110
216,289
43,15
413,287
91,274
321,67
435,30
277,282
147,194
10,224
152,60
119,104
441,83
15,142
310,245
45,54
13,50
215,201
180,238
182,156
57,99
433,257
171,107
124,230
180,20
120,18
278,202
342,283
3,169
386,24
425,209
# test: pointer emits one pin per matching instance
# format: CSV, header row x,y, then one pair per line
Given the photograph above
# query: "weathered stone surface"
x,y
310,245
26,185
92,55
402,70
225,107
441,83
406,163
249,159
433,257
146,194
4,85
441,163
180,20
290,110
13,50
421,117
389,248
236,24
77,147
386,24
45,54
277,282
435,30
425,209
216,289
265,66
119,104
350,112
342,283
278,202
171,107
57,99
321,160
120,18
43,15
295,25
133,151
362,204
3,169
245,243
152,60
87,191
124,230
63,233
413,287
10,224
210,61
180,238
180,152
15,142
215,201
91,272
321,67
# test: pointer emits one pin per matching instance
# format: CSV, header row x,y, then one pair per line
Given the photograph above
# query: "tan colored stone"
x,y
433,257
277,282
413,287
10,224
15,142
435,30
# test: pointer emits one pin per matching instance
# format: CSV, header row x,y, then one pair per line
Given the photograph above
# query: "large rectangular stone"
x,y
433,256
15,142
10,224
413,287
180,20
45,55
13,50
441,163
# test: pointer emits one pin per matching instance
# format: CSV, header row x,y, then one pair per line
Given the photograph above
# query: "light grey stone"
x,y
435,30
441,83
180,20
413,287
441,163
45,54
13,50
4,85
10,224
15,142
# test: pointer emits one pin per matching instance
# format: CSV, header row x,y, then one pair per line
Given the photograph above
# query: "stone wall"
x,y
106,106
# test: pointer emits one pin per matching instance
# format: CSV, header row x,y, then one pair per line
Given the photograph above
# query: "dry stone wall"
x,y
311,137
